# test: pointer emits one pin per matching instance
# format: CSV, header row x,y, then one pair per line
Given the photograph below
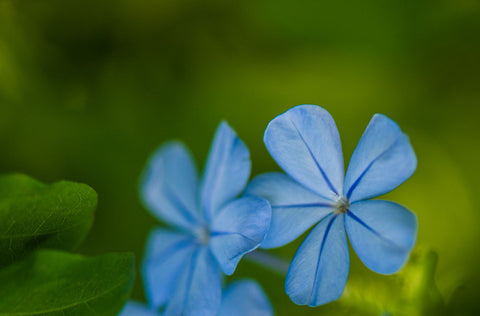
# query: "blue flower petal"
x,y
238,229
133,308
383,159
166,255
318,272
169,186
382,233
245,297
294,207
304,141
226,172
199,287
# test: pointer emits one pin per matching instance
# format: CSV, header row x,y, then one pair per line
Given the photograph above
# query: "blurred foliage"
x,y
88,89
410,292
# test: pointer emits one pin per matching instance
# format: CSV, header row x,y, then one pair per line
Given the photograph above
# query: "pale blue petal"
x,y
226,172
133,308
318,272
304,141
382,233
294,207
383,159
169,186
238,229
245,298
199,287
166,255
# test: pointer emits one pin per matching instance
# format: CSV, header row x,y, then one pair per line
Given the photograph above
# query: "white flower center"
x,y
341,205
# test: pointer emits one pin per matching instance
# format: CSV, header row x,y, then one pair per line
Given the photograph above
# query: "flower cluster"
x,y
212,228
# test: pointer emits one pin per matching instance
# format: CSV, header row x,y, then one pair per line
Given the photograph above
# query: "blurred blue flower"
x,y
305,142
213,228
243,297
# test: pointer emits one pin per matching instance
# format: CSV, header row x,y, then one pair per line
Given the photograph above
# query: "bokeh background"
x,y
88,89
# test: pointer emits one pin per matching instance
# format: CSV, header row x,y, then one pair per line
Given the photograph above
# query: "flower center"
x,y
203,235
341,205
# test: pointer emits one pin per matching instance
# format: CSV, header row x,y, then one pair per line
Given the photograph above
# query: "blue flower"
x,y
305,142
244,297
213,228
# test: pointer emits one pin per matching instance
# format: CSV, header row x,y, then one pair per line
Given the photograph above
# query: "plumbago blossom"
x,y
212,228
244,297
305,142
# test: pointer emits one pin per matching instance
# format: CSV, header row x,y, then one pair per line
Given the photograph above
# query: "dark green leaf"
x,y
51,282
33,215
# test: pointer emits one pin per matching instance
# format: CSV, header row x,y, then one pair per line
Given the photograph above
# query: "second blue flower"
x,y
213,228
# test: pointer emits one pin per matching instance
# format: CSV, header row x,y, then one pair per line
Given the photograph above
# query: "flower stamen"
x,y
203,235
342,205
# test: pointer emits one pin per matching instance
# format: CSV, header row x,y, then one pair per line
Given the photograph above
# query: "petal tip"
x,y
224,125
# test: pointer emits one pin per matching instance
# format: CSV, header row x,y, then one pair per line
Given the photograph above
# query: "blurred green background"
x,y
88,89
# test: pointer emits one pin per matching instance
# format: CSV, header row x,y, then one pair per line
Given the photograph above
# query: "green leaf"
x,y
51,282
34,215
